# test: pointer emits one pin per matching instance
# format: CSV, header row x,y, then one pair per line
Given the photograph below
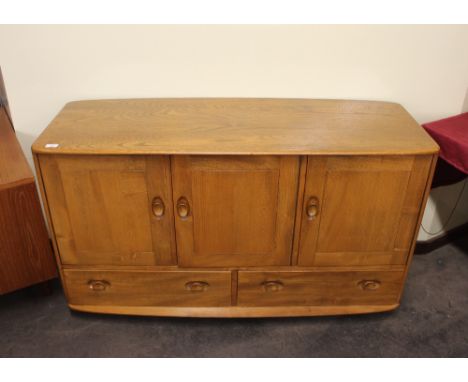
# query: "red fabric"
x,y
452,136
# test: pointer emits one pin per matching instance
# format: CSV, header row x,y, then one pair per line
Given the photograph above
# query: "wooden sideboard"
x,y
234,207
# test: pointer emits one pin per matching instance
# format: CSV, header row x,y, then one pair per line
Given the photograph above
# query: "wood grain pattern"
x,y
48,214
299,210
235,311
148,288
272,268
420,172
234,284
348,259
422,204
277,232
25,252
101,209
14,168
242,209
159,183
361,204
317,288
365,214
234,126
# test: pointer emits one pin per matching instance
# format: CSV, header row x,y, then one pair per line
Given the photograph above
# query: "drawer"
x,y
318,288
148,288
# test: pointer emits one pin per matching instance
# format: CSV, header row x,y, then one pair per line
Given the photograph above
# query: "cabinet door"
x,y
110,210
361,210
234,211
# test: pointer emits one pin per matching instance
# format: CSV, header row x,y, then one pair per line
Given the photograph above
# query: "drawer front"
x,y
318,288
148,288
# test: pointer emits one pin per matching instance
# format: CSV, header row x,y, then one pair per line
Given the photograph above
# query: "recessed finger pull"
x,y
98,285
369,285
197,286
158,207
183,208
272,286
312,208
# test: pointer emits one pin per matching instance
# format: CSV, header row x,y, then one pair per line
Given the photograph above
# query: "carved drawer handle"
x,y
197,286
369,285
98,285
272,286
312,208
183,207
158,207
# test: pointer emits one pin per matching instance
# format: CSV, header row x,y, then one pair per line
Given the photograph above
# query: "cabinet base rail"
x,y
235,311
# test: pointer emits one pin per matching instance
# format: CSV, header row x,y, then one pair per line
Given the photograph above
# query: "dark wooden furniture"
x,y
25,251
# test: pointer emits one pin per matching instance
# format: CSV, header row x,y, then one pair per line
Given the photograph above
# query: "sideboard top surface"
x,y
227,126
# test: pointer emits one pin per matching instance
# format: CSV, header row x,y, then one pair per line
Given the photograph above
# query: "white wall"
x,y
425,68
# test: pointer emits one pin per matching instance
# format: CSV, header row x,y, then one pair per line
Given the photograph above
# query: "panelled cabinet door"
x,y
361,210
234,211
111,210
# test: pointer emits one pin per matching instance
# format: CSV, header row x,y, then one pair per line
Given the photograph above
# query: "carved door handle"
x,y
196,286
183,207
272,286
98,285
369,285
158,207
312,208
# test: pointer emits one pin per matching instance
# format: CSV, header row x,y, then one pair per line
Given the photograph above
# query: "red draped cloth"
x,y
452,136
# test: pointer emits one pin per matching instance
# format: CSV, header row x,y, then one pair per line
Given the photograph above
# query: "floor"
x,y
432,321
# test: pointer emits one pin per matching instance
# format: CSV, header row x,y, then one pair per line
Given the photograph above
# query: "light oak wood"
x,y
234,281
45,201
273,268
420,217
241,209
365,209
148,288
318,288
278,233
159,183
235,311
234,126
102,209
299,204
